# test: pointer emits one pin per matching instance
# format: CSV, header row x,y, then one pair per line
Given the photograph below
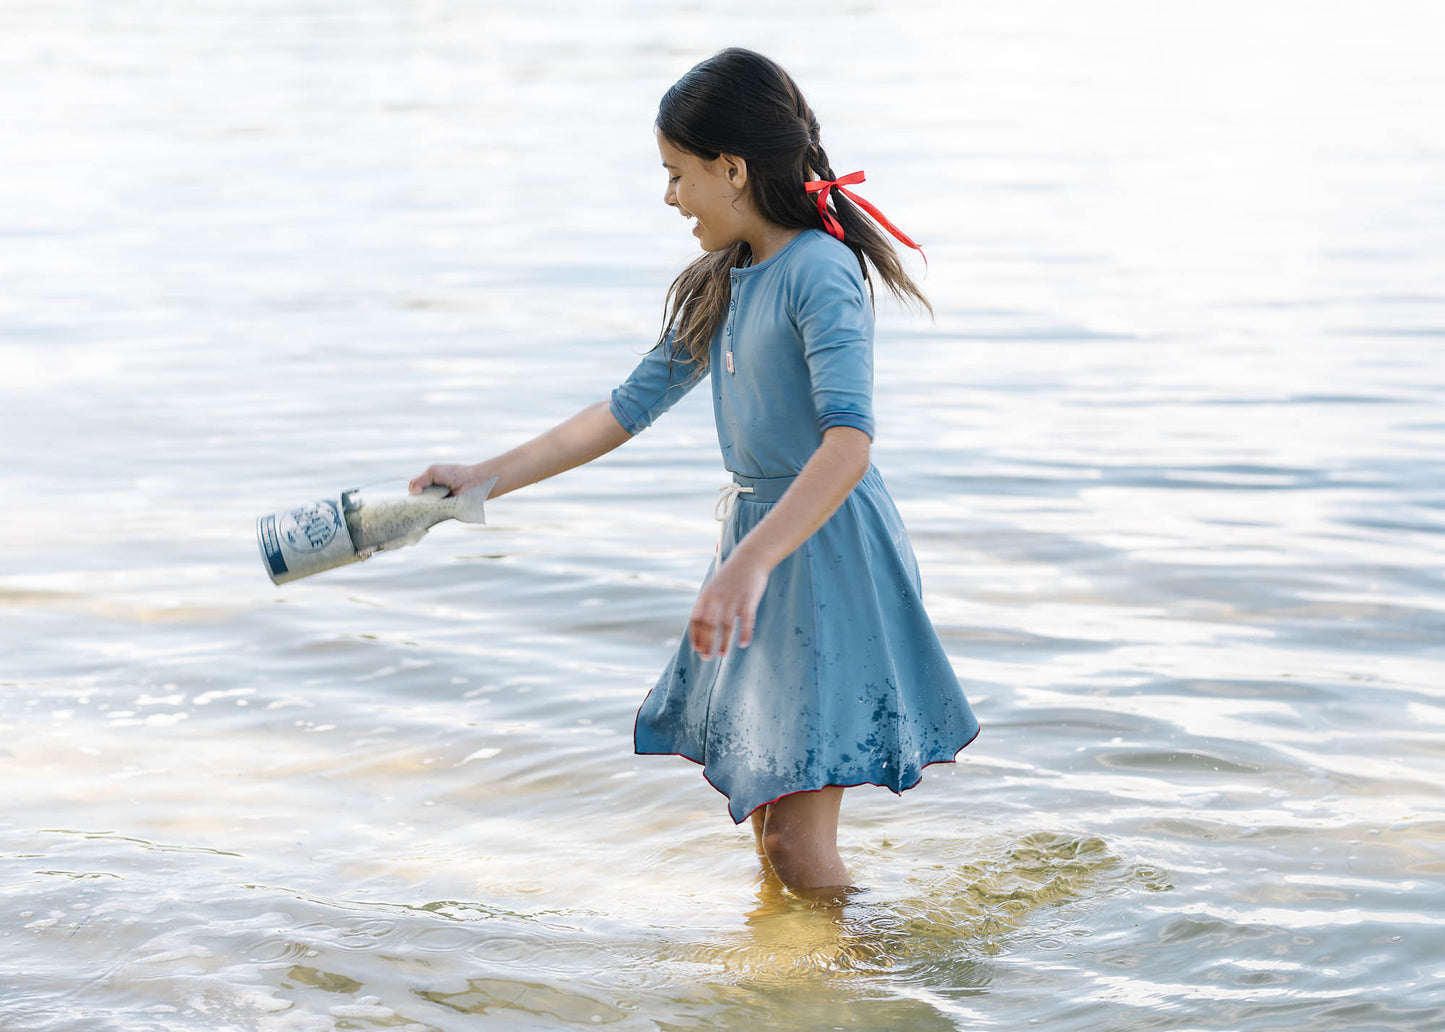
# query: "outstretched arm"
x,y
733,593
590,433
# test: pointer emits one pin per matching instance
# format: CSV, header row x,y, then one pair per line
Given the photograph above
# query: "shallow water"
x,y
1170,453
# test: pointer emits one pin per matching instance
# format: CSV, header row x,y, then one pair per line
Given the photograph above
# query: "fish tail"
x,y
469,503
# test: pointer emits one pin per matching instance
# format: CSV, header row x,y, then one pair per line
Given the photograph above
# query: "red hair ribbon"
x,y
821,187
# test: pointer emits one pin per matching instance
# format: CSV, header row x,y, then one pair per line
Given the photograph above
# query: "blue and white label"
x,y
305,540
270,545
311,527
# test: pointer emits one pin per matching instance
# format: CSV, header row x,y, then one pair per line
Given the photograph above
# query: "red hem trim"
x,y
850,784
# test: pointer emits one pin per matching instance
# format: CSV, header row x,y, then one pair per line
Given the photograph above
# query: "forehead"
x,y
672,156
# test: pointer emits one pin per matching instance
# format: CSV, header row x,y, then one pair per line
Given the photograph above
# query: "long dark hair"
x,y
739,102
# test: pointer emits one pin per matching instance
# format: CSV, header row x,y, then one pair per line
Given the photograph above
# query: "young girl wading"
x,y
836,677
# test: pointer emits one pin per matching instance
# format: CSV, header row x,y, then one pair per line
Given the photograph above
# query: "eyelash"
x,y
673,179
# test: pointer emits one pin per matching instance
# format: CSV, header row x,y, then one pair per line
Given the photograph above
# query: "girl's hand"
x,y
731,597
457,478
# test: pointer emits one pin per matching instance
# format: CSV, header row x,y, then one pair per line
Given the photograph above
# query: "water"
x,y
1171,456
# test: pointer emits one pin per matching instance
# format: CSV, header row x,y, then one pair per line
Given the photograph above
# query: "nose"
x,y
669,196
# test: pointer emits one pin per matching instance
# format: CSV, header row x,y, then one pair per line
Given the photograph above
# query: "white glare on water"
x,y
1170,456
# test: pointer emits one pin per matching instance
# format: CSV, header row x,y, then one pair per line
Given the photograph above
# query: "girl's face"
x,y
711,192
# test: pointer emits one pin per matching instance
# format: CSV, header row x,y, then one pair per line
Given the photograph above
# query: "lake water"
x,y
1172,453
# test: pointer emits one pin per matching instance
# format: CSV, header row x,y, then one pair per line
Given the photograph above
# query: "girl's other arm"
x,y
733,594
590,433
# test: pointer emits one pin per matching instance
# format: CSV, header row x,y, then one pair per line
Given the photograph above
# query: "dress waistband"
x,y
759,489
763,489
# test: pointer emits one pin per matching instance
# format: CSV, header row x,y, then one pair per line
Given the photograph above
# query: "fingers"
x,y
709,636
711,627
448,476
424,480
745,635
700,634
729,600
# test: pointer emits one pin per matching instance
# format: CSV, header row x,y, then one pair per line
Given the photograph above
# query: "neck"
x,y
768,240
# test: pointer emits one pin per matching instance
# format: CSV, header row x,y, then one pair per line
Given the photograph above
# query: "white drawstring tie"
x,y
727,501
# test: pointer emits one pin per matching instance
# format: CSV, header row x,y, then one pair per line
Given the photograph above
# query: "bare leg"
x,y
769,876
800,840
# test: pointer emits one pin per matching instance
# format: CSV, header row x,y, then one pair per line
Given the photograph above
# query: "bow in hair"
x,y
822,187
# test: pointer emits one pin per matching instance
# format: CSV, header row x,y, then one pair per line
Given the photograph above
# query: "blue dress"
x,y
845,682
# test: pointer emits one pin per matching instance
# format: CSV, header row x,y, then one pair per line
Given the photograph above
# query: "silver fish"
x,y
321,536
390,523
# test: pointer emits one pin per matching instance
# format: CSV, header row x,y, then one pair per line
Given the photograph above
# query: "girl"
x,y
837,677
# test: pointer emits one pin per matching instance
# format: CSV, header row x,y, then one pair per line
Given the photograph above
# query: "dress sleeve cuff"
x,y
828,420
633,424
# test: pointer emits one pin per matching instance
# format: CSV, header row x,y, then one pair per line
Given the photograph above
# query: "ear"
x,y
735,169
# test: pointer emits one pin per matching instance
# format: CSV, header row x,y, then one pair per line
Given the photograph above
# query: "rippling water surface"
x,y
1171,454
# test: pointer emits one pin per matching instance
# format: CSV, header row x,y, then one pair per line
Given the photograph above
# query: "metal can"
x,y
305,540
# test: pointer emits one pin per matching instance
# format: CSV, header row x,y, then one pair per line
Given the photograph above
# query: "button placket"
x,y
728,330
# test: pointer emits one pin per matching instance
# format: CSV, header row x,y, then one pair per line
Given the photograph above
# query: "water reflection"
x,y
1169,455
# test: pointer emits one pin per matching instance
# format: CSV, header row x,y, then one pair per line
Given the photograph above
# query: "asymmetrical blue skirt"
x,y
845,682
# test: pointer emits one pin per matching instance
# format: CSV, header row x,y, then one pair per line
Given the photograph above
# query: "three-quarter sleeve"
x,y
834,316
663,376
